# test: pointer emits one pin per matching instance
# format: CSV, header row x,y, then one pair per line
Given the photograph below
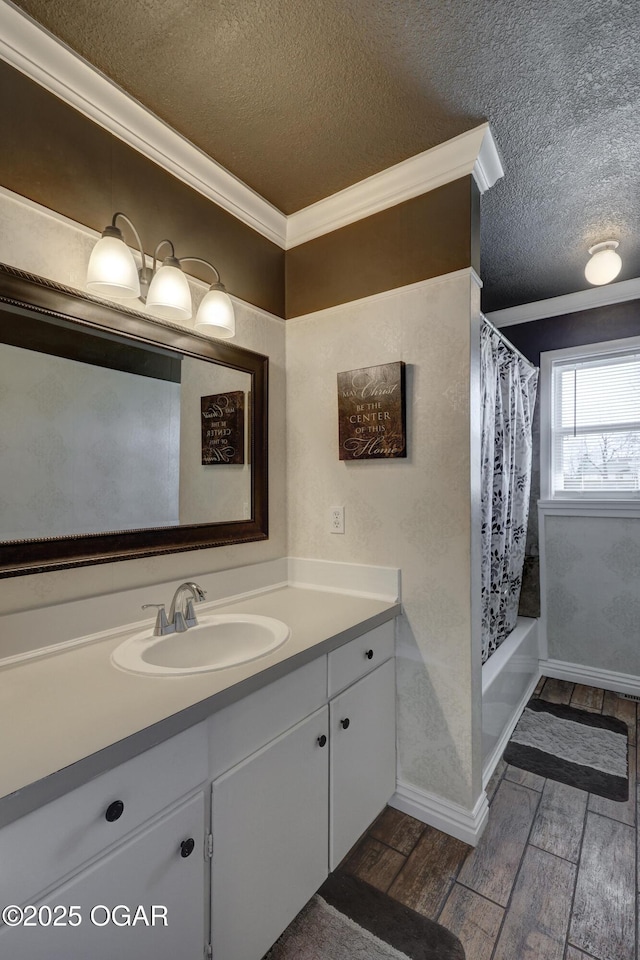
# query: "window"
x,y
591,421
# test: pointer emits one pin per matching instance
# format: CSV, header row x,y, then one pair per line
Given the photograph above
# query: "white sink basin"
x,y
217,642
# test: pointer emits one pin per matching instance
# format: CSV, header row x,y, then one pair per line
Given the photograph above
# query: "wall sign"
x,y
371,412
223,428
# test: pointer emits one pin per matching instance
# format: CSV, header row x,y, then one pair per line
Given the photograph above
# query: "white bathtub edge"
x,y
508,678
498,660
494,757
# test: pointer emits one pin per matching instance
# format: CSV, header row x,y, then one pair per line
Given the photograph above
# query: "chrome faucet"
x,y
181,615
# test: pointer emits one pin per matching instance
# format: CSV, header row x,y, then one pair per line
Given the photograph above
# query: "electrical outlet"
x,y
336,520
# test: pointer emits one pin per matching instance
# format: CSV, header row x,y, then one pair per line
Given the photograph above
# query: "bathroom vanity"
x,y
160,812
247,786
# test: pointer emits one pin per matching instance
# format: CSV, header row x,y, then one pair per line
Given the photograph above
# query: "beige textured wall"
x,y
46,245
415,513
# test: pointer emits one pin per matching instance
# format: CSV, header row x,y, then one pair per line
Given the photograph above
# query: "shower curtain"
x,y
508,385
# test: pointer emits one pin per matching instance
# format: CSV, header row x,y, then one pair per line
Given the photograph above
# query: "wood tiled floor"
x,y
554,876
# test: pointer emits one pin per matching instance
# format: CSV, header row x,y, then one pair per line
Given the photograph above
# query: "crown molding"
x,y
488,166
568,303
473,152
33,51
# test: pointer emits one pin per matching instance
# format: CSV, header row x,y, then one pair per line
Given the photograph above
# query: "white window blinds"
x,y
595,425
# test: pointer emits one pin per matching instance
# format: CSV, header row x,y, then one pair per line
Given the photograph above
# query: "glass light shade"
x,y
112,271
216,316
169,296
604,265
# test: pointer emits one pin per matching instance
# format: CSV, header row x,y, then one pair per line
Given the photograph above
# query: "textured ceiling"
x,y
300,98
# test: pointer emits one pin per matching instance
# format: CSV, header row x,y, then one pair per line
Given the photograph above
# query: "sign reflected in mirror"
x,y
223,428
102,432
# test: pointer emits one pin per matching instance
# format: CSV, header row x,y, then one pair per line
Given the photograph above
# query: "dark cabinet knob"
x,y
369,654
114,811
345,723
187,847
322,740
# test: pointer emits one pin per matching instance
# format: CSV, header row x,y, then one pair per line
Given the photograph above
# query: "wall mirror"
x,y
121,436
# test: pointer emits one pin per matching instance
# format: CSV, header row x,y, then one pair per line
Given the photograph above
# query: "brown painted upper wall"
x,y
57,157
424,237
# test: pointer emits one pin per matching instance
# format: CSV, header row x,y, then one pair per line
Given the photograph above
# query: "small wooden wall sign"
x,y
371,412
223,428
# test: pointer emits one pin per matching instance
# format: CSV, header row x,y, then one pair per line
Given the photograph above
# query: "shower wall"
x,y
590,565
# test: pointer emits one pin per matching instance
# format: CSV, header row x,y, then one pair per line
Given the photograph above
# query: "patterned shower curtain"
x,y
508,385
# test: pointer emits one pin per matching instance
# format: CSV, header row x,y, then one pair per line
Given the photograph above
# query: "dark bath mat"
x,y
349,920
585,750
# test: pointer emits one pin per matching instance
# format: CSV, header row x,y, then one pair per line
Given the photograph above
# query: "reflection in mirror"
x,y
218,489
101,434
104,450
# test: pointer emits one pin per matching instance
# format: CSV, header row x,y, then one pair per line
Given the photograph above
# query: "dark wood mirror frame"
x,y
27,291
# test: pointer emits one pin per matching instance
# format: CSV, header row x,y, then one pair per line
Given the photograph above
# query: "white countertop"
x,y
71,715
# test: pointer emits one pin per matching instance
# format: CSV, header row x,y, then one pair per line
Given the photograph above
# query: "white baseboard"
x,y
591,676
492,761
466,825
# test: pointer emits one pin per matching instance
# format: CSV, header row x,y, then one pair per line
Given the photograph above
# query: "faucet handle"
x,y
190,617
162,627
179,623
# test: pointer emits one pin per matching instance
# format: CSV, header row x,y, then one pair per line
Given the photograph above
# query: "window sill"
x,y
590,508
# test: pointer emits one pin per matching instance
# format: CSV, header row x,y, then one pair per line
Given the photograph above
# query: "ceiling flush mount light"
x,y
605,264
112,273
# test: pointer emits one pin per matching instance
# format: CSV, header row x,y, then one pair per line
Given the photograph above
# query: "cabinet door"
x,y
270,839
363,757
148,870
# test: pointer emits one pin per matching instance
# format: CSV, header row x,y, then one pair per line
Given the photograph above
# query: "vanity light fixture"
x,y
605,264
169,295
215,314
112,273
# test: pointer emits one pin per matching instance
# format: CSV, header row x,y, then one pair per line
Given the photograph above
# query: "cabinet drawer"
x,y
243,727
53,841
360,656
147,869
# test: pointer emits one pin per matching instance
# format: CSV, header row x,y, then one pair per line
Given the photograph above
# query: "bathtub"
x,y
508,679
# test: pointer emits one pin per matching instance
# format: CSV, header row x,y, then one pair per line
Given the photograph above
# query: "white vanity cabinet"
x,y
362,757
153,870
270,835
231,825
289,812
116,840
57,839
